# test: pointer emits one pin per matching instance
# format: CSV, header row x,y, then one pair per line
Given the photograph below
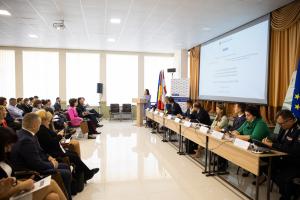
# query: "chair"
x,y
83,126
114,110
126,110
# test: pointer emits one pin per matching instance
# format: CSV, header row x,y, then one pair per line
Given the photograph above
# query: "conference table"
x,y
225,148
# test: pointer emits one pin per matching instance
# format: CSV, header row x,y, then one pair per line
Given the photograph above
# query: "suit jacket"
x,y
26,108
50,141
237,123
176,109
27,153
57,107
80,109
188,113
289,141
201,116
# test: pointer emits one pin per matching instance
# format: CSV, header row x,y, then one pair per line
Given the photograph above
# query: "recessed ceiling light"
x,y
32,36
5,12
115,20
206,29
111,40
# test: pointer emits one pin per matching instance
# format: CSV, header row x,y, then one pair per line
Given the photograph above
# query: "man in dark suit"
x,y
175,107
286,168
28,154
200,115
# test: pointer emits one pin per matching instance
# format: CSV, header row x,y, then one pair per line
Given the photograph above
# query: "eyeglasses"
x,y
284,122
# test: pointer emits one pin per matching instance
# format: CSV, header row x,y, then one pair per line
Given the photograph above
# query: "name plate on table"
x,y
177,120
241,144
204,129
169,117
217,135
187,124
161,114
156,112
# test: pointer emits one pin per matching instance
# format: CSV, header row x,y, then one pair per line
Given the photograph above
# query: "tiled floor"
x,y
136,165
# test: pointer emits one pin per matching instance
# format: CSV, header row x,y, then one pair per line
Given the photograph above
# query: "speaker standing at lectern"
x,y
147,96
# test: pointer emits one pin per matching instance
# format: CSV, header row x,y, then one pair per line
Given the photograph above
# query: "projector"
x,y
59,25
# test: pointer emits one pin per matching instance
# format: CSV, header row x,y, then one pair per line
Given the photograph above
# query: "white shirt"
x,y
6,168
15,112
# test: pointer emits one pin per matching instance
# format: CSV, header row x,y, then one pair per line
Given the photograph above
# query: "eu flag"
x,y
296,96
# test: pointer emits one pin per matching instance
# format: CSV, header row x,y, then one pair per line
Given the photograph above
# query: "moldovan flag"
x,y
161,91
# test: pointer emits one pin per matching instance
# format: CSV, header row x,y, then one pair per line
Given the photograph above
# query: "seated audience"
x,y
16,125
13,110
57,105
285,169
221,121
50,142
75,120
27,153
175,107
37,105
31,99
19,103
26,107
254,127
90,114
3,114
51,192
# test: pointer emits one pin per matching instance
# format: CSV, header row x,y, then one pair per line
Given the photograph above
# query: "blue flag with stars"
x,y
296,96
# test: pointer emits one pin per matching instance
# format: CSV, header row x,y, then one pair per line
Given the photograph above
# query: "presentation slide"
x,y
234,67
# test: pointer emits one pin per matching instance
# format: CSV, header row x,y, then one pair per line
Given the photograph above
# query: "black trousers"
x,y
79,165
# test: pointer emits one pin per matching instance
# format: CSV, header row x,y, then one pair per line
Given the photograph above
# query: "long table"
x,y
224,148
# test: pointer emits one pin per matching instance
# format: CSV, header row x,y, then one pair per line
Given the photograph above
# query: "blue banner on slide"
x,y
180,99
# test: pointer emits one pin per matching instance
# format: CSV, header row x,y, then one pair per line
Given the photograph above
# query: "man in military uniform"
x,y
286,168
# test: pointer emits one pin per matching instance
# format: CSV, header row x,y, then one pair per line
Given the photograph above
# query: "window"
x,y
121,78
41,74
83,74
7,73
153,65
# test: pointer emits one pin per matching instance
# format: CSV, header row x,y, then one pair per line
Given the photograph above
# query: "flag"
x,y
296,95
161,91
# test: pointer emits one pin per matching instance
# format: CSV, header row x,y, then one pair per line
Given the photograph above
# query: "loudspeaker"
x,y
171,70
100,88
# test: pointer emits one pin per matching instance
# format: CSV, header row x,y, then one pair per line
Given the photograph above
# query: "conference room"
x,y
149,99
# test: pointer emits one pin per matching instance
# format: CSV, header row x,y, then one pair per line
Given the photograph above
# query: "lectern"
x,y
139,110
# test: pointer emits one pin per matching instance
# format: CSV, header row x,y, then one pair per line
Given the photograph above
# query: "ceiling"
x,y
146,25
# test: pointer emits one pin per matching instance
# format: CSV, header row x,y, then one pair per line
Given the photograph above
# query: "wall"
x,y
102,75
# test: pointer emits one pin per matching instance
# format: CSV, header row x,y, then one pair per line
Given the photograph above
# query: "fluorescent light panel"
x,y
5,12
115,20
111,40
32,36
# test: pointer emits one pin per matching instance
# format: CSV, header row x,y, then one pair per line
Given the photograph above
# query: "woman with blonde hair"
x,y
3,113
50,142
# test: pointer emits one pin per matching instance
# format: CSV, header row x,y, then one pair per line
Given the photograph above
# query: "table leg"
x,y
206,152
257,187
269,177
